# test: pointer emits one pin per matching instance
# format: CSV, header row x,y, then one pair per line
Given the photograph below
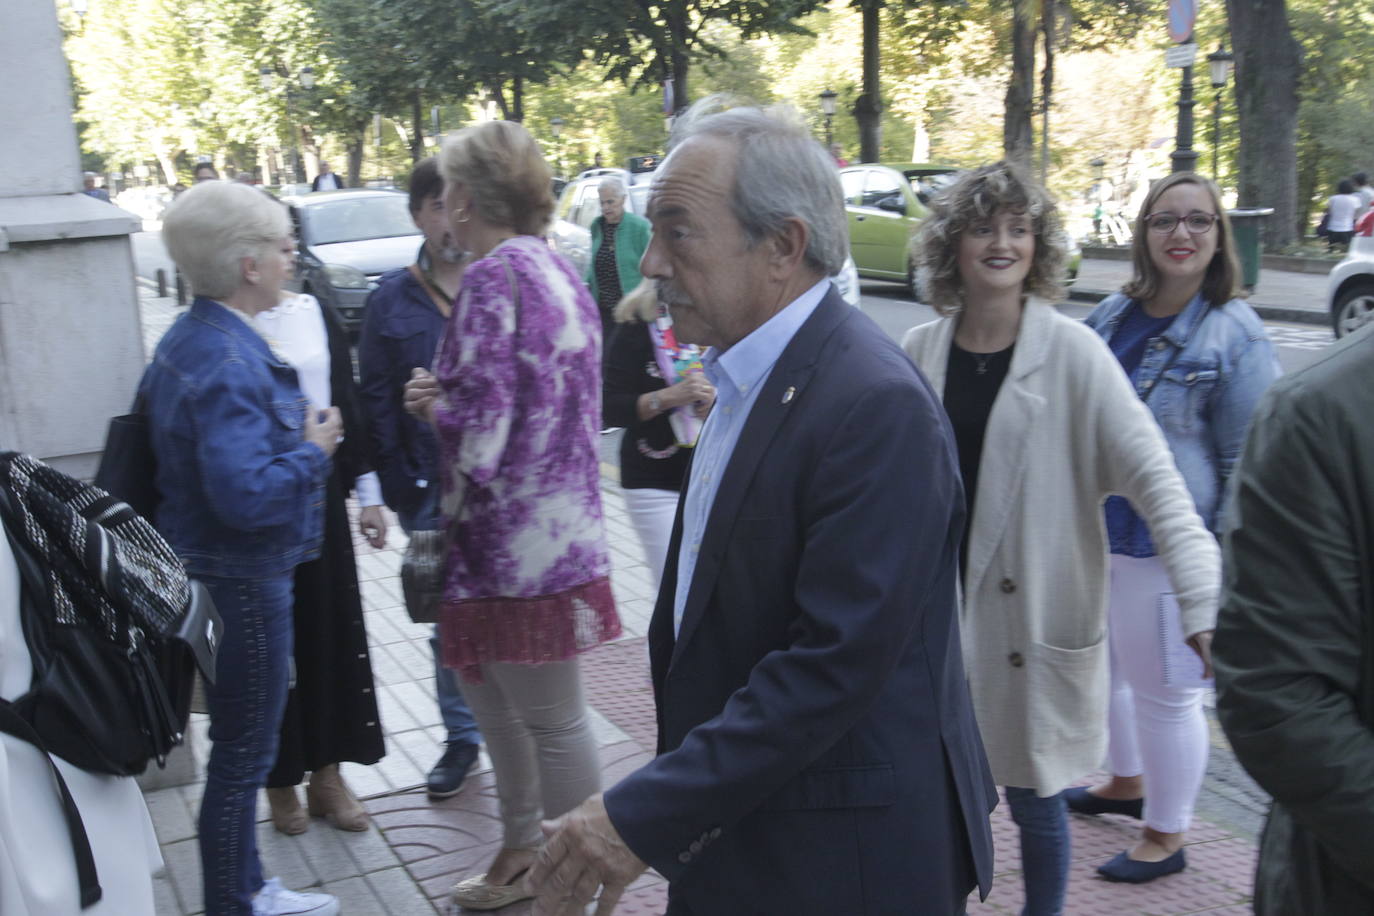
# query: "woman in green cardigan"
x,y
618,242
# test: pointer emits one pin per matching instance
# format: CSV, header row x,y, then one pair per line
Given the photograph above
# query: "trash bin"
x,y
1247,223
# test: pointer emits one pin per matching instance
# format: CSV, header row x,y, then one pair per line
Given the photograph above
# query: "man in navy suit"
x,y
817,751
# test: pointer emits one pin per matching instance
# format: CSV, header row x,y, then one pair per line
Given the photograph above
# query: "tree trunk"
x,y
1049,28
354,148
1017,141
417,133
1268,62
498,92
868,108
167,161
517,95
677,55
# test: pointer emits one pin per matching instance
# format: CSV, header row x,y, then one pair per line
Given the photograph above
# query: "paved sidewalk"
x,y
1281,295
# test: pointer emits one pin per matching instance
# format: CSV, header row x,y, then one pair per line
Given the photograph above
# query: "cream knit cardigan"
x,y
1066,430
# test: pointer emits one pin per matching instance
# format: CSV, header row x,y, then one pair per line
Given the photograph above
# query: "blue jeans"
x,y
1044,825
246,704
462,727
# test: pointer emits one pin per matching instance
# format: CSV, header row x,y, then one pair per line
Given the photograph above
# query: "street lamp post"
x,y
1185,157
1098,165
1219,64
556,128
828,109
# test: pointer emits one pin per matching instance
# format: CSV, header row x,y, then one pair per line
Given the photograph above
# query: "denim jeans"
x,y
453,709
1044,825
246,704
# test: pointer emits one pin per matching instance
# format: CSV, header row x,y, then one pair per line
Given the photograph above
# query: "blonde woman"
x,y
1047,427
516,404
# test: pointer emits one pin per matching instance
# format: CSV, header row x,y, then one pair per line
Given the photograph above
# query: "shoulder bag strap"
x,y
436,296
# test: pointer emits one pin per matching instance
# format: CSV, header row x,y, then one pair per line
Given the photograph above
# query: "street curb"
x,y
1267,312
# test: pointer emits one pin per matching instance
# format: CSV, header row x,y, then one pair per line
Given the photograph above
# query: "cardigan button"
x,y
1017,660
1007,586
684,857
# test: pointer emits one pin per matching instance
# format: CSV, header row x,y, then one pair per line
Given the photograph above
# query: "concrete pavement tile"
x,y
398,769
368,849
165,901
402,896
419,747
183,869
370,567
365,781
171,818
605,731
385,668
415,660
283,857
377,596
380,629
323,849
395,716
418,698
356,898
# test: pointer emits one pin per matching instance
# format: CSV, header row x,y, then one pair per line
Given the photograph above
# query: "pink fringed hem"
x,y
529,631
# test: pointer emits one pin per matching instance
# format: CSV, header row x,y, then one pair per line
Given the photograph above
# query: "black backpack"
x,y
115,629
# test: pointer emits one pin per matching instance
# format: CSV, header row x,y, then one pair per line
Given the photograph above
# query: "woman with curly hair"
x,y
1047,426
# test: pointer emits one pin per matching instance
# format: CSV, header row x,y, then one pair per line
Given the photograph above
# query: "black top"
x,y
608,290
971,385
649,456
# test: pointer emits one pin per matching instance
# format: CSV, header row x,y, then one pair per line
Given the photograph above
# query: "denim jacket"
x,y
401,330
1201,379
242,492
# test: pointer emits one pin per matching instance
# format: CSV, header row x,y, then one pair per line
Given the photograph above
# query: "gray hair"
x,y
212,226
613,183
785,174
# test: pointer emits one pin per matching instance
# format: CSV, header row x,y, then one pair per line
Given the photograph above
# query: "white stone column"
x,y
71,351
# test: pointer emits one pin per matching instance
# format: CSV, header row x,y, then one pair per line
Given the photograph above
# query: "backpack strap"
x,y
14,724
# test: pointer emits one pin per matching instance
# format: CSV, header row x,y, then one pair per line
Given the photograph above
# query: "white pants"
x,y
533,721
652,512
1157,732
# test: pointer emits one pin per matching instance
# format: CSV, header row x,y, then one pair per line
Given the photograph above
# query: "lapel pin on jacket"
x,y
788,394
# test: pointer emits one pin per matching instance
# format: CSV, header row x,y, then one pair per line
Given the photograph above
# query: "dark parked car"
x,y
346,240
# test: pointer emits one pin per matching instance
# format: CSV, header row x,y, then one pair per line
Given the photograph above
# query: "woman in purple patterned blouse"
x,y
516,401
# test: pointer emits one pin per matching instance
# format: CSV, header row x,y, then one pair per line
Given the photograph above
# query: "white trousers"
x,y
534,723
652,512
1156,731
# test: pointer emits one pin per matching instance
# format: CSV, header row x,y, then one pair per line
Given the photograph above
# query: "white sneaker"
x,y
275,900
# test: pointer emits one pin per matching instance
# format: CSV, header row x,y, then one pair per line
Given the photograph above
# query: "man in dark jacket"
x,y
1294,650
405,315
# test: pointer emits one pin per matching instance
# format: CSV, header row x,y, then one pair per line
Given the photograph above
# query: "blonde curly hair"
x,y
973,199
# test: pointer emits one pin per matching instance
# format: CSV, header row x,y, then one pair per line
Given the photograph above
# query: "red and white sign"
x,y
1182,17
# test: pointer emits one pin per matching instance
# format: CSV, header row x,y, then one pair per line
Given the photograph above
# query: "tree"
x,y
645,44
1268,63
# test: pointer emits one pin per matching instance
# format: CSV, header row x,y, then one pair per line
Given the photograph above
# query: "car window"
x,y
879,186
566,201
639,199
588,205
356,219
852,183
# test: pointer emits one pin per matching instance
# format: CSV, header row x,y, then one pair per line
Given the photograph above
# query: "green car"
x,y
885,204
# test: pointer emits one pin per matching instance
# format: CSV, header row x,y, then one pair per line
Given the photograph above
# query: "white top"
x,y
295,329
1365,194
1342,208
330,182
37,871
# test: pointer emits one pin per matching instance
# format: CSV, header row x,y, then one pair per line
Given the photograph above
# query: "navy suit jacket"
x,y
817,746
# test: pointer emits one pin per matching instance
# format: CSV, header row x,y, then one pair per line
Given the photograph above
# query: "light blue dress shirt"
x,y
738,374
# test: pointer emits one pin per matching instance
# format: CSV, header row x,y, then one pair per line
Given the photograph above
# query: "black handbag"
x,y
128,466
422,574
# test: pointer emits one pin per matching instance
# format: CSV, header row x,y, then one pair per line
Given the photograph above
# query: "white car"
x,y
1350,285
579,204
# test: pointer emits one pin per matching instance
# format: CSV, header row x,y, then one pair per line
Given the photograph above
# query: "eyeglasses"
x,y
1196,222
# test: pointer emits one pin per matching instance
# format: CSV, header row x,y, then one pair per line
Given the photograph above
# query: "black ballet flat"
x,y
1081,801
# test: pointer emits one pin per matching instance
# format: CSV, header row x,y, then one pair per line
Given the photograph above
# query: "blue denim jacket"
x,y
1201,379
242,492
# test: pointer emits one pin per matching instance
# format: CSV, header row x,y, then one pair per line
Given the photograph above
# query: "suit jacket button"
x,y
684,857
1007,586
695,846
1017,659
715,833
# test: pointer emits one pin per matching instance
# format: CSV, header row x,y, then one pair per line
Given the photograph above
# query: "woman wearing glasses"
x,y
1046,427
1199,359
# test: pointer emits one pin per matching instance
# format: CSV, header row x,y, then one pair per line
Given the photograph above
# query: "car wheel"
x,y
1353,308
